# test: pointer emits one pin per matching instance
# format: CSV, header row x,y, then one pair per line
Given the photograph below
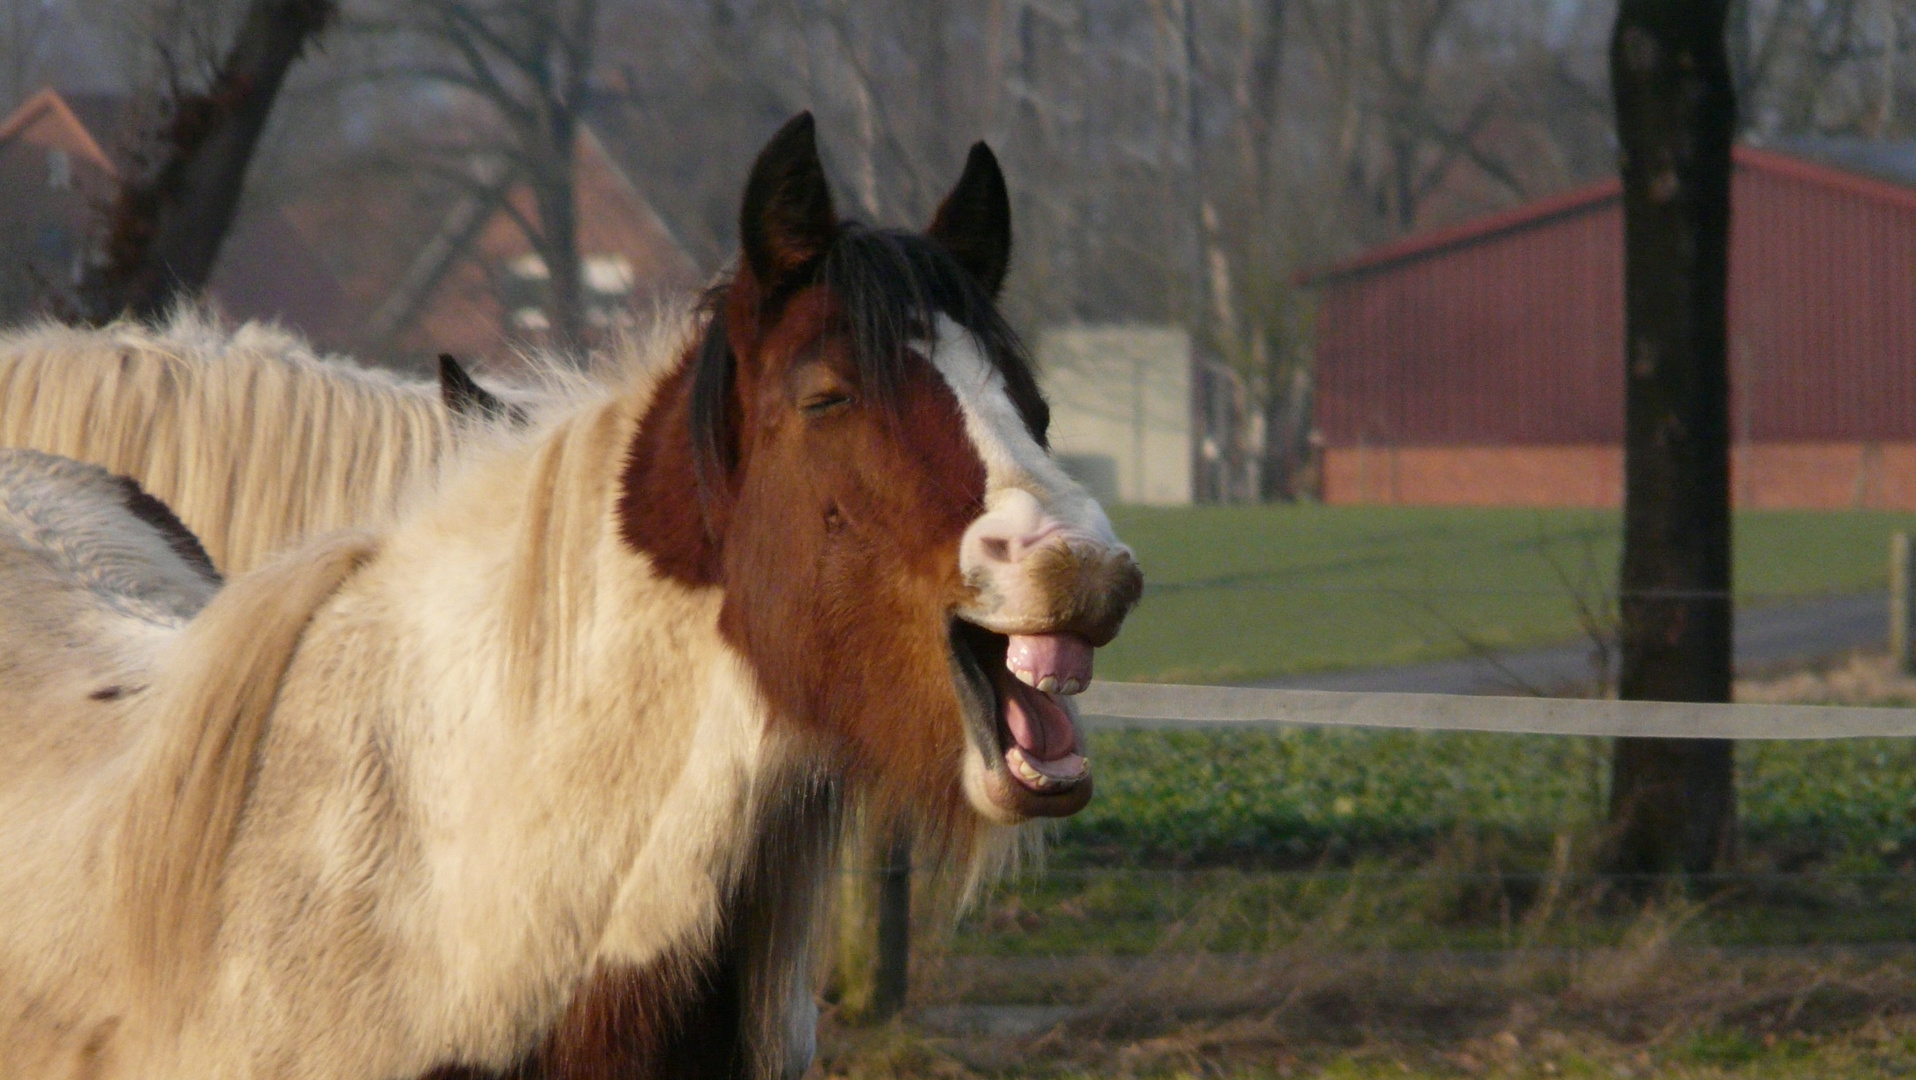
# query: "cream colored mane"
x,y
253,439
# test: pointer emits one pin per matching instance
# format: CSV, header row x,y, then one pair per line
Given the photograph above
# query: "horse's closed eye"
x,y
822,403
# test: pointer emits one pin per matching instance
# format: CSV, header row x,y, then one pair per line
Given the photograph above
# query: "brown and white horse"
x,y
542,779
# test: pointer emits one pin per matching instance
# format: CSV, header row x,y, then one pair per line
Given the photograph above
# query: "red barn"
x,y
1482,364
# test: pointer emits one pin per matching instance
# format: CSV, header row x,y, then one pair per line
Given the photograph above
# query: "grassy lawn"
x,y
1243,592
1296,797
1256,841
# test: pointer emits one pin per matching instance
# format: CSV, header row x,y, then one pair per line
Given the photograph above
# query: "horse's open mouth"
x,y
1026,738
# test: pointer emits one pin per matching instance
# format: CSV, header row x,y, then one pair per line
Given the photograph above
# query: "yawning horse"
x,y
543,778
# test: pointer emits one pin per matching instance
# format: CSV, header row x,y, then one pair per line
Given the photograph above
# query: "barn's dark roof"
x,y
1883,172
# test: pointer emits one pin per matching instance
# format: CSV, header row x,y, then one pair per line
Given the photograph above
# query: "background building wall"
x,y
1482,365
1121,409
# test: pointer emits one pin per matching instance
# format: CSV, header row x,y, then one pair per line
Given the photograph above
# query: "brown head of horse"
x,y
905,567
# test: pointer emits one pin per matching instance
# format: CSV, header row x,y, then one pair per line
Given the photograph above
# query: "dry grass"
x,y
1862,679
1645,1009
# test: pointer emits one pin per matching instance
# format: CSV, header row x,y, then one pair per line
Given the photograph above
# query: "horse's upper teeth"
x,y
1049,684
1071,686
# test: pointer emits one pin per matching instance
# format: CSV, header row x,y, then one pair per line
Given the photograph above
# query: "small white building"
x,y
1121,409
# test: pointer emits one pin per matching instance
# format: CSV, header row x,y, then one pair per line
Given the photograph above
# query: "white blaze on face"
x,y
1029,500
1036,521
1031,506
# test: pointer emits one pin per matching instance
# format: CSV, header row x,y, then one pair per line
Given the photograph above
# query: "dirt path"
x,y
1766,637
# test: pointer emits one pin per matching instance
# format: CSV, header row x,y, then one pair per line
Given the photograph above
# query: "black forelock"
x,y
891,286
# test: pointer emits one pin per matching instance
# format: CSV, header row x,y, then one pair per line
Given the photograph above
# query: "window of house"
x,y
525,291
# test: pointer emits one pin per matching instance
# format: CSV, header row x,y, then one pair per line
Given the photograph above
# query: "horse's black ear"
x,y
787,219
974,222
464,397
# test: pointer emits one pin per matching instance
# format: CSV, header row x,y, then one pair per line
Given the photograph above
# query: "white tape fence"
x,y
1110,705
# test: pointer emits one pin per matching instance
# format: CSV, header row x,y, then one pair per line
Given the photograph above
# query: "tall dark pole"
x,y
1673,801
893,973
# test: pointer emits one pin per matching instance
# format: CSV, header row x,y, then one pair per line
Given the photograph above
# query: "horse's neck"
x,y
566,716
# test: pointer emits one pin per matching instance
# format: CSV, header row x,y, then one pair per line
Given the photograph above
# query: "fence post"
x,y
871,962
894,930
1902,580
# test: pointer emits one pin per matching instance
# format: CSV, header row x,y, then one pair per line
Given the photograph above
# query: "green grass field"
x,y
1299,796
1248,841
1243,592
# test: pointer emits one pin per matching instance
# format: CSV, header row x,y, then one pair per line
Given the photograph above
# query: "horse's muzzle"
x,y
1065,585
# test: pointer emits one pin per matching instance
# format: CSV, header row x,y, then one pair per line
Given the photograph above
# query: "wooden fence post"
x,y
1902,580
872,959
894,930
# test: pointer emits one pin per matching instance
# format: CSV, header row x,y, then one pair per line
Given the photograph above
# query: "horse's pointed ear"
x,y
464,397
787,219
974,222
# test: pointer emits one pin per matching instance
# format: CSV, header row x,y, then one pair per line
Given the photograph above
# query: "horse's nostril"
x,y
997,549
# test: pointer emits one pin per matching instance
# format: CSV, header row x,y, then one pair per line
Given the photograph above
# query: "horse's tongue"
x,y
1054,663
1039,725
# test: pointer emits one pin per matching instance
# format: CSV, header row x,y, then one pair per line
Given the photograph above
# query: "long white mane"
x,y
252,438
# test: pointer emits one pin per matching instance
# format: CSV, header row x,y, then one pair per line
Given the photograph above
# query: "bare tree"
x,y
167,222
527,66
1818,66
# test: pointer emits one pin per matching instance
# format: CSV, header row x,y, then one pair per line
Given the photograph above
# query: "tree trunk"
x,y
1673,801
166,227
555,191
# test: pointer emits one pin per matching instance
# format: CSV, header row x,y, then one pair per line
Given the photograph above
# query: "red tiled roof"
x,y
48,106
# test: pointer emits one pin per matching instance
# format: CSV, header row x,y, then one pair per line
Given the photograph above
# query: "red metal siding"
x,y
1514,335
1822,287
1505,341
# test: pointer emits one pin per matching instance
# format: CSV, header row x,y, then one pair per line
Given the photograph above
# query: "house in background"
x,y
333,264
1121,409
59,161
54,172
1483,364
477,288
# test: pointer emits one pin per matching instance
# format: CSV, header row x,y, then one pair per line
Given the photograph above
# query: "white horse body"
x,y
251,437
362,896
90,599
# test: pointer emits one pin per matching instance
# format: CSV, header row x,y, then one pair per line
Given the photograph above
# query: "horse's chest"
x,y
665,1019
